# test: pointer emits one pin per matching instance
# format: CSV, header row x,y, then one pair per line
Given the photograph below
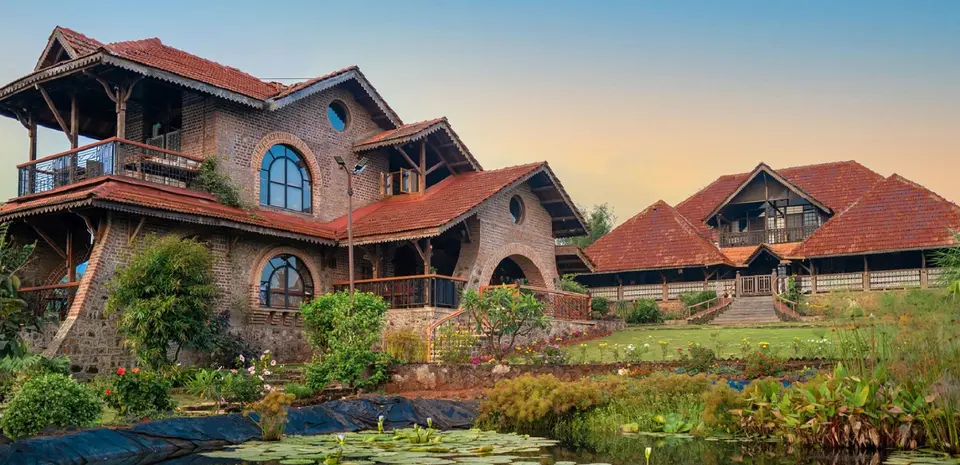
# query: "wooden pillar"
x,y
666,288
866,274
736,284
619,291
427,260
422,187
74,123
71,267
813,278
923,270
32,134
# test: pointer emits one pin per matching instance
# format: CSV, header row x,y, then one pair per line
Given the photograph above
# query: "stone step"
x,y
748,310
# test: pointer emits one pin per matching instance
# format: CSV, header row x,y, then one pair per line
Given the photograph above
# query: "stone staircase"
x,y
748,311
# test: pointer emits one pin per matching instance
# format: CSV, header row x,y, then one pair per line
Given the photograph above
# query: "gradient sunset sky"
x,y
630,102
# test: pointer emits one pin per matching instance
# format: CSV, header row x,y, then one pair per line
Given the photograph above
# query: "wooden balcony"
x,y
766,236
412,291
113,157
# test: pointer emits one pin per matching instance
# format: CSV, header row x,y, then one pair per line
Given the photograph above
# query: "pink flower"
x,y
273,363
135,370
242,359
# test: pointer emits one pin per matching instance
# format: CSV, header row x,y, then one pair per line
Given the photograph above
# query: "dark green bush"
x,y
690,299
165,297
600,307
344,337
644,311
241,388
211,180
700,359
302,391
50,400
138,394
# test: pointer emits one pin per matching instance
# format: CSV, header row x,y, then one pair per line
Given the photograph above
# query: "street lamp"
x,y
357,169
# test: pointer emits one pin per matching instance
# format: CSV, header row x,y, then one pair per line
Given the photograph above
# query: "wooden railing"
x,y
766,236
51,301
870,280
706,311
412,291
557,304
117,157
753,285
786,309
454,338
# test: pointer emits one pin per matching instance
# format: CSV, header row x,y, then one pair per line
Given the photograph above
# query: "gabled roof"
x,y
895,215
444,205
658,237
439,128
744,256
153,58
836,185
762,168
149,199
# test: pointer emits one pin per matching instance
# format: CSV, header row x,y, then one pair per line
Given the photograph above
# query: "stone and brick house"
x,y
428,220
832,226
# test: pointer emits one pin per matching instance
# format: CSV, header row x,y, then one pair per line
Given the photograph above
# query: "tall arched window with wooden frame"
x,y
285,283
284,180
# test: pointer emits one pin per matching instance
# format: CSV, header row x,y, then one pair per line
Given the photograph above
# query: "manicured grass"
x,y
779,338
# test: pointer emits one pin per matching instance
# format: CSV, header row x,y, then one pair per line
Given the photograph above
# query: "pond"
x,y
476,447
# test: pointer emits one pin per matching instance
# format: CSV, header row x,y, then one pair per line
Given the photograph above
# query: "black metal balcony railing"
x,y
766,236
112,156
412,291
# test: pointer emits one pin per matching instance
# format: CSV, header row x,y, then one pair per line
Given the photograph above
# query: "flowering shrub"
x,y
49,400
635,354
761,364
270,414
529,403
137,394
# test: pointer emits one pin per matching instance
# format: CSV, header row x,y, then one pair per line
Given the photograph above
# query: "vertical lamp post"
x,y
357,169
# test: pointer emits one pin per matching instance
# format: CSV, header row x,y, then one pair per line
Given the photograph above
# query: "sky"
x,y
630,102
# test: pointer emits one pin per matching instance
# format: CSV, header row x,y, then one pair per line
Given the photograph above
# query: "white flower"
x,y
622,372
268,387
273,363
266,372
266,351
647,346
261,378
251,370
242,359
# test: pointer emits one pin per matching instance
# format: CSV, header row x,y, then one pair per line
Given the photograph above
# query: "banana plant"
x,y
13,317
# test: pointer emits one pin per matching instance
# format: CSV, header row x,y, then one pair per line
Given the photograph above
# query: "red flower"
x,y
107,393
135,370
121,371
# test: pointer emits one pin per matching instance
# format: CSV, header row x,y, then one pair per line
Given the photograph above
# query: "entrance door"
x,y
754,285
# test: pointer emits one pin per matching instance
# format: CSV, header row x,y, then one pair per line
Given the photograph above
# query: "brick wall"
x,y
496,236
244,134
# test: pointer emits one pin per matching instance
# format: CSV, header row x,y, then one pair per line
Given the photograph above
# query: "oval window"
x,y
337,114
516,209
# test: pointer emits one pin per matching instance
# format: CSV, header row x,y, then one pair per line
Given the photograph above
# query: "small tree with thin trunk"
x,y
504,314
165,299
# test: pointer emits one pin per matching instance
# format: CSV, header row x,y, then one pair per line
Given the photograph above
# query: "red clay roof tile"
x,y
657,237
440,205
740,256
896,214
836,185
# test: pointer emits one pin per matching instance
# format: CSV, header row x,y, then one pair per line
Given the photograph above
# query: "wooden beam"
x,y
71,267
564,218
422,184
466,233
74,122
136,230
32,134
416,245
541,189
460,163
46,238
90,229
407,157
434,167
56,113
552,201
441,157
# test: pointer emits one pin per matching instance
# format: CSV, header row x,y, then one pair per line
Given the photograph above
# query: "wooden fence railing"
x,y
429,290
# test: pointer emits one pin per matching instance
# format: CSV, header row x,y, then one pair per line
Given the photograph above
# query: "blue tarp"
x,y
155,441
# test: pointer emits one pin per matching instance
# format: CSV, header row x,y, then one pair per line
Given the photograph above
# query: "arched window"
x,y
285,283
284,180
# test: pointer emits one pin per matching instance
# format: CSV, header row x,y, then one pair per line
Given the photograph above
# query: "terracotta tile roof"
x,y
896,214
428,214
656,238
131,192
153,53
412,131
80,43
741,256
836,185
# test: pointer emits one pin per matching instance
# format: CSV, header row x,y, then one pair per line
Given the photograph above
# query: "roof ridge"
x,y
897,177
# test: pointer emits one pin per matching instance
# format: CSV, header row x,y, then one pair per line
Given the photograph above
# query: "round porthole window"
x,y
338,116
516,209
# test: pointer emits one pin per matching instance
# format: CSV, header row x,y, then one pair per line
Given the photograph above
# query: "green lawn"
x,y
727,338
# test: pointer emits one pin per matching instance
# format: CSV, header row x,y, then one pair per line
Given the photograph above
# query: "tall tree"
x,y
600,220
